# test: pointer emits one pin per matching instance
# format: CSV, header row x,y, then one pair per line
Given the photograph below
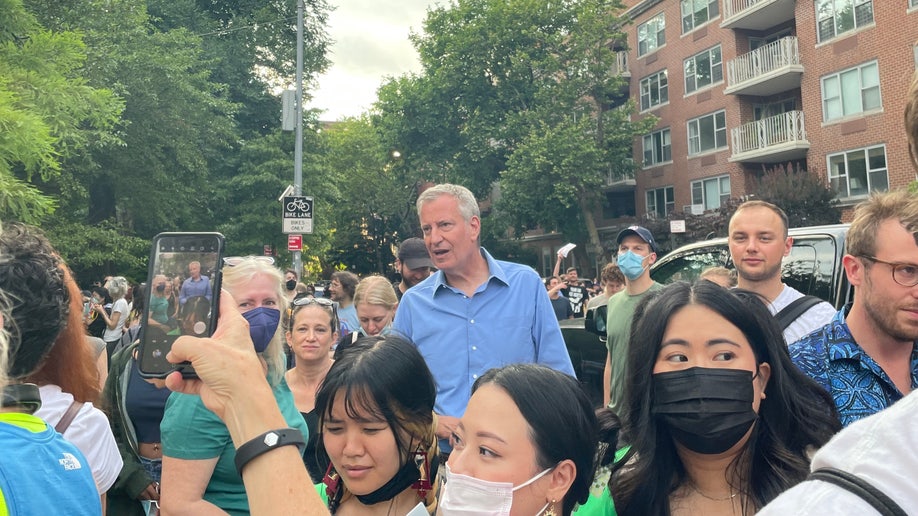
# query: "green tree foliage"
x,y
803,195
48,112
521,92
375,211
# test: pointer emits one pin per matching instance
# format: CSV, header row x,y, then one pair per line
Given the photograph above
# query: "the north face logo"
x,y
69,461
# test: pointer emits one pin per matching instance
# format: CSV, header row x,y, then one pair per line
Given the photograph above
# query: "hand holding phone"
x,y
197,258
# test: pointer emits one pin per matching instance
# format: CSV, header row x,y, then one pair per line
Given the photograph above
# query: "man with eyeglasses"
x,y
867,357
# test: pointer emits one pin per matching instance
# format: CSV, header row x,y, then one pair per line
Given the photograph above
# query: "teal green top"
x,y
600,503
192,432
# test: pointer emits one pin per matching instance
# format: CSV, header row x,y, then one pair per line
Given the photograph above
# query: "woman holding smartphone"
x,y
199,472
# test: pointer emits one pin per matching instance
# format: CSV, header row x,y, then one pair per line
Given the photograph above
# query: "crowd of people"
x,y
452,392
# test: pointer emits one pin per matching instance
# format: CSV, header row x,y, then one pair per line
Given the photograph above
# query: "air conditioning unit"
x,y
693,209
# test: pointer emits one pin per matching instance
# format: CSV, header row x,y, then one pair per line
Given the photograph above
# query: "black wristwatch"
x,y
266,442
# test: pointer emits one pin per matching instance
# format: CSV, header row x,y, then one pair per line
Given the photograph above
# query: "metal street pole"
x,y
298,152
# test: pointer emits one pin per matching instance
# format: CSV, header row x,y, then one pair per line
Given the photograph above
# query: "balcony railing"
x,y
622,175
621,64
756,14
767,59
783,134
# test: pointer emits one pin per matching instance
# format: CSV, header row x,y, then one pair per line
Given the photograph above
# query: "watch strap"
x,y
266,442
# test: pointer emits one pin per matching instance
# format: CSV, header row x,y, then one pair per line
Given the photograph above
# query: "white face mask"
x,y
469,496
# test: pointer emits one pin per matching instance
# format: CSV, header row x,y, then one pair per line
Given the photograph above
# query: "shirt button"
x,y
474,348
472,321
475,376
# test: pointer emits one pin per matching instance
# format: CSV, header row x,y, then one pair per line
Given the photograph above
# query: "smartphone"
x,y
197,258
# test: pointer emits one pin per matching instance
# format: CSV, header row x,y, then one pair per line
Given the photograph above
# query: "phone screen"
x,y
183,288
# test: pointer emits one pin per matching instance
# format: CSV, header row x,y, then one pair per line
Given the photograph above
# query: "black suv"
x,y
813,267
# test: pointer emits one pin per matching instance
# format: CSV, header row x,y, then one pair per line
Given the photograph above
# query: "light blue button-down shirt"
x,y
508,320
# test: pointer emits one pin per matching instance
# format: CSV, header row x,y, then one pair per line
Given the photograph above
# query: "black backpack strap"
x,y
855,484
791,312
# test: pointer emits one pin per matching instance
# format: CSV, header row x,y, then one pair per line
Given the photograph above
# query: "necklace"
x,y
712,498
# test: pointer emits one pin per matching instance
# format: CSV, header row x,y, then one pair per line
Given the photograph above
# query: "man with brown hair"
x,y
867,357
758,243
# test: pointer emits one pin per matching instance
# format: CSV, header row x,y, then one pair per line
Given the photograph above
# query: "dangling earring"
x,y
551,509
423,484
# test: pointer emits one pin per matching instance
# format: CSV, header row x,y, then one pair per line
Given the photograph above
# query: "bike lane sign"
x,y
298,215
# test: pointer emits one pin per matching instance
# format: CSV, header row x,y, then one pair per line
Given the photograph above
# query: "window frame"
x,y
713,69
695,141
659,39
662,91
722,196
869,172
669,201
838,98
833,6
691,17
661,134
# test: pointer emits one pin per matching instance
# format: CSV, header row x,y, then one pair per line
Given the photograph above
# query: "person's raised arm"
x,y
232,384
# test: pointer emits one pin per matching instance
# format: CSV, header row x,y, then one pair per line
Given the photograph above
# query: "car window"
x,y
688,265
811,266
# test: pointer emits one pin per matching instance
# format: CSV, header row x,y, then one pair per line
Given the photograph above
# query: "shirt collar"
x,y
494,269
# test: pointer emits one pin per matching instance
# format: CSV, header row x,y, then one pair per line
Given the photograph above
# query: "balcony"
x,y
621,64
756,14
774,139
621,178
767,70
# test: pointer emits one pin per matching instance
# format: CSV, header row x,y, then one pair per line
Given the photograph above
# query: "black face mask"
x,y
707,410
291,284
407,475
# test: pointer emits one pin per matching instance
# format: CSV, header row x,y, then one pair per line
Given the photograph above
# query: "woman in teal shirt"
x,y
199,474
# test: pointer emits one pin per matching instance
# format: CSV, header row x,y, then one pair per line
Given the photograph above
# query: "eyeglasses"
x,y
232,261
905,274
322,302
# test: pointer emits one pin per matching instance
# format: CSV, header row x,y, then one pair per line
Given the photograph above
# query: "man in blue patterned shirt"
x,y
867,357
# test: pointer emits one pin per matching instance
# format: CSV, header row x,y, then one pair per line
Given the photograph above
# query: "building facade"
x,y
740,86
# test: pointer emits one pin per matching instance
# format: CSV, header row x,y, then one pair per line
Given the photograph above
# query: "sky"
x,y
370,43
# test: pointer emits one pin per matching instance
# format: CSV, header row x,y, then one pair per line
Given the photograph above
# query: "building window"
x,y
651,34
703,69
654,90
711,193
913,3
858,172
660,202
657,148
707,133
836,17
697,12
851,91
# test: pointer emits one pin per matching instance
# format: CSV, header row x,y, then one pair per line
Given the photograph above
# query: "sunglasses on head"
x,y
322,302
232,261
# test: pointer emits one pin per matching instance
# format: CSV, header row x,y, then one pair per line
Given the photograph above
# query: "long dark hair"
x,y
384,377
796,414
561,420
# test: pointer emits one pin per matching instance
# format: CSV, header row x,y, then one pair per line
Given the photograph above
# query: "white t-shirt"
x,y
119,306
881,449
816,317
89,431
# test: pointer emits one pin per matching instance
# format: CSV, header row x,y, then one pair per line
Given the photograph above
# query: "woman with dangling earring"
x,y
377,430
526,444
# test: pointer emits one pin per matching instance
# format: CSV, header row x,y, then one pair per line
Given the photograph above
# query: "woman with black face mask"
x,y
377,430
718,418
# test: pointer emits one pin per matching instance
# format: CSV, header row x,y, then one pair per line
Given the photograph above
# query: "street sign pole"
x,y
298,149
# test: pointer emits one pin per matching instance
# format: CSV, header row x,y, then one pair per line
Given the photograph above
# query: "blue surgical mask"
x,y
263,323
385,331
631,265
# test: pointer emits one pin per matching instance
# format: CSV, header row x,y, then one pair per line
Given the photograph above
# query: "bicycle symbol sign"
x,y
298,214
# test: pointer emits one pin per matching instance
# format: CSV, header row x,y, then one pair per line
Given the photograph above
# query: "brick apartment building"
x,y
742,85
